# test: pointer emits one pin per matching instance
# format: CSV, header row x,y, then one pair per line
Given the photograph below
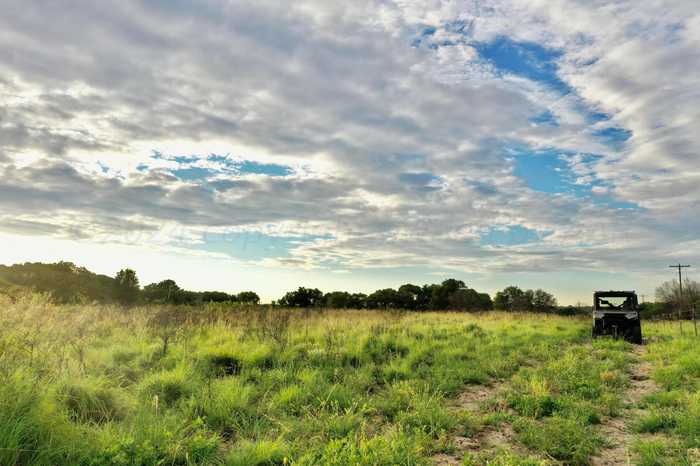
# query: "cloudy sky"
x,y
353,145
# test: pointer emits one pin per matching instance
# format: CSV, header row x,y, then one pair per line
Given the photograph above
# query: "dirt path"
x,y
473,400
617,431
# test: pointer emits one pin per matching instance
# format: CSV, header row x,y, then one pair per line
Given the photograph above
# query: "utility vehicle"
x,y
616,313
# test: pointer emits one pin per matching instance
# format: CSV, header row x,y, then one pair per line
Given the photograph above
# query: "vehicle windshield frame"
x,y
601,303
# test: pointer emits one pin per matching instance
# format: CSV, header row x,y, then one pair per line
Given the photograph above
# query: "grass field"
x,y
92,385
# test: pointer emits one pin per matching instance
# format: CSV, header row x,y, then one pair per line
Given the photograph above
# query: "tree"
x,y
512,298
161,292
248,297
485,303
357,301
302,297
126,286
384,298
669,293
411,296
216,297
468,299
64,281
543,301
440,296
337,299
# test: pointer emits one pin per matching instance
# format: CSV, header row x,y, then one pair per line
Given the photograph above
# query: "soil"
x,y
617,431
473,400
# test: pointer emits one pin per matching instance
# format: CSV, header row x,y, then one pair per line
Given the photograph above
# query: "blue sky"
x,y
353,145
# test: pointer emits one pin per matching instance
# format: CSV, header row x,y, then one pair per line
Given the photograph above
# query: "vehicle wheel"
x,y
637,334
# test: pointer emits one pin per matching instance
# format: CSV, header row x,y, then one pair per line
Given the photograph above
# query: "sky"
x,y
265,145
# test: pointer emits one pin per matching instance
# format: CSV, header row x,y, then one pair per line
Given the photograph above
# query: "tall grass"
x,y
99,385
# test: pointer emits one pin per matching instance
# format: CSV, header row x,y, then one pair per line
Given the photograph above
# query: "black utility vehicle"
x,y
616,313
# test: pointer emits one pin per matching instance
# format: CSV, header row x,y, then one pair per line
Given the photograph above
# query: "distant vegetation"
x,y
450,294
64,282
67,283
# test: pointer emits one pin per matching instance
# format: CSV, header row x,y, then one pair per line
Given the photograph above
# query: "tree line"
x,y
128,291
451,294
68,283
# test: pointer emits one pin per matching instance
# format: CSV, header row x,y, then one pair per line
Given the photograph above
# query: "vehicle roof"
x,y
613,294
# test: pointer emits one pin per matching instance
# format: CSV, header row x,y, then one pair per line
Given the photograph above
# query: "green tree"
x,y
126,286
302,297
468,299
411,296
384,298
512,298
161,292
440,297
543,301
337,299
248,297
357,301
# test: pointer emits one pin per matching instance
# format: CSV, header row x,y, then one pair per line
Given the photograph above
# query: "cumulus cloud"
x,y
398,126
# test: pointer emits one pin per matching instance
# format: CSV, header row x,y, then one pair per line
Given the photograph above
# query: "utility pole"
x,y
680,289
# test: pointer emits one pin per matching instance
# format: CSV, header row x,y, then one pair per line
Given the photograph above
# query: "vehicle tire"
x,y
636,334
597,329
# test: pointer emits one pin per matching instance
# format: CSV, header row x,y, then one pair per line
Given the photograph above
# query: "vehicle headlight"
x,y
598,315
631,315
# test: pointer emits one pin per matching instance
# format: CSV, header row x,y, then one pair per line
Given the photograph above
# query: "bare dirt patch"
x,y
474,397
473,400
617,431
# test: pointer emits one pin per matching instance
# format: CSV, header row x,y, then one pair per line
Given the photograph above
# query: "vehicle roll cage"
x,y
602,304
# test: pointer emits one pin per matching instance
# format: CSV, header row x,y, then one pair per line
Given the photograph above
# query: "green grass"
x,y
673,412
92,385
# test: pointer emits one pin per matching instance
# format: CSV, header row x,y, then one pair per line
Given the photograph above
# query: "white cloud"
x,y
336,90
